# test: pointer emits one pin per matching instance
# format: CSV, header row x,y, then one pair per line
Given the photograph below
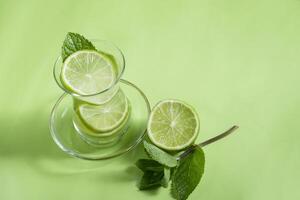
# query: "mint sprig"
x,y
75,42
185,175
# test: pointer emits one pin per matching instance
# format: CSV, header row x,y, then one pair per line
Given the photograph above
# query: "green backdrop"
x,y
236,61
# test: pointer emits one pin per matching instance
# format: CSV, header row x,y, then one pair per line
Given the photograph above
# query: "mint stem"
x,y
207,142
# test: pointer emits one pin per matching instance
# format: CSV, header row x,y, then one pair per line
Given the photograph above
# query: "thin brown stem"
x,y
207,142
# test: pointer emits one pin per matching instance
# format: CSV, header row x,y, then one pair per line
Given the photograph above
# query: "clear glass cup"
x,y
74,138
98,98
70,133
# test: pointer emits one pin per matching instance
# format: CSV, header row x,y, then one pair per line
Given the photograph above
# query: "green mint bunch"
x,y
184,173
184,170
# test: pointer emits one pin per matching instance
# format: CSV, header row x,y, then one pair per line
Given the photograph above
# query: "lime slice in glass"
x,y
173,125
88,72
106,117
108,135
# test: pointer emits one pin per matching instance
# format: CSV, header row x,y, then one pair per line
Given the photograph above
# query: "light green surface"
x,y
236,62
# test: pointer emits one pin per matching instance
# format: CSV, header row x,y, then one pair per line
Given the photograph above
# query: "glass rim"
x,y
97,93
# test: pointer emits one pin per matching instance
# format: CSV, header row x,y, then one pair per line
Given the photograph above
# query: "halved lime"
x,y
106,117
88,72
173,125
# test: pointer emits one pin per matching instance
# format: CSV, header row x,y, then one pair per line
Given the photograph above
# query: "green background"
x,y
235,61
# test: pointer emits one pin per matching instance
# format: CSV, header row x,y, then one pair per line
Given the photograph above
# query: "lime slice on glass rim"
x,y
173,125
88,72
105,118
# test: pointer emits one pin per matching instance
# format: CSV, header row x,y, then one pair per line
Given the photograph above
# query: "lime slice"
x,y
81,127
88,72
106,117
173,125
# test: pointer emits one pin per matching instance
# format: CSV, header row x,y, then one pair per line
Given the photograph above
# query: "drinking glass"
x,y
73,137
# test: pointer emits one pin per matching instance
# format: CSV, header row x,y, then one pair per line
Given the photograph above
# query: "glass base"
x,y
72,141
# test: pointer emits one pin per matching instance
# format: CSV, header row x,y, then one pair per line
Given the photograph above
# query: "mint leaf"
x,y
75,42
188,174
151,179
166,179
159,155
149,165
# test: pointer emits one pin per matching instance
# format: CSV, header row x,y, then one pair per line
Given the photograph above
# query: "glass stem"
x,y
207,142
